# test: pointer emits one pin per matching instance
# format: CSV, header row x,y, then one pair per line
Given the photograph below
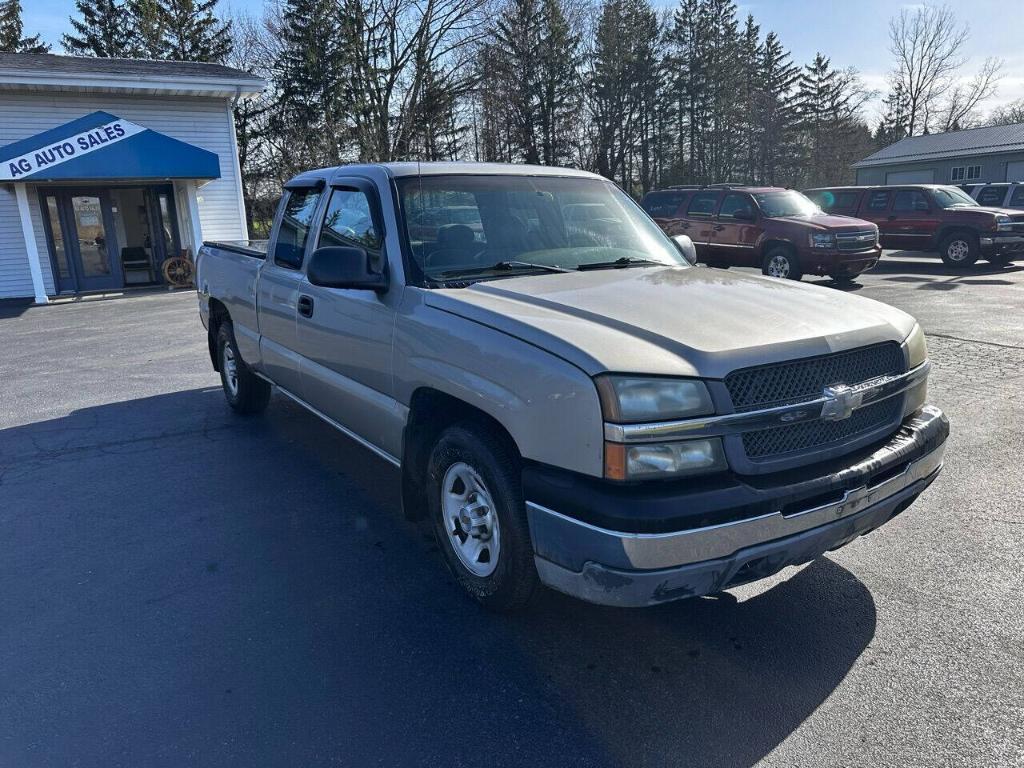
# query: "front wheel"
x,y
475,499
245,391
781,262
960,249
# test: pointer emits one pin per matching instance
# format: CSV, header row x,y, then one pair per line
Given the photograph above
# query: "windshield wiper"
x,y
623,261
504,266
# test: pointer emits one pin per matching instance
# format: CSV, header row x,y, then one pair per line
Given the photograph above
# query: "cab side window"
x,y
349,223
1017,199
663,205
736,203
909,200
991,196
878,201
293,232
702,204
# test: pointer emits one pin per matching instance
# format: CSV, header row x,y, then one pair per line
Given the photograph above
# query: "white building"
x,y
109,166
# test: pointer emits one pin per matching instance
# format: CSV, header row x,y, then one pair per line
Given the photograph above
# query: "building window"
x,y
961,173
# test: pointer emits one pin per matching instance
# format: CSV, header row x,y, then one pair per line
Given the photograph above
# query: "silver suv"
x,y
569,400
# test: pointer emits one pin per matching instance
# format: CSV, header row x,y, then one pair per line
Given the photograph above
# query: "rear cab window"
x,y
299,209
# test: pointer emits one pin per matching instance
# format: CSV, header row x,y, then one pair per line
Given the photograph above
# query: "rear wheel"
x,y
476,505
844,279
1000,260
782,262
960,249
245,391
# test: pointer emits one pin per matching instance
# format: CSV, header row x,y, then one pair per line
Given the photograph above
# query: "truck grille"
x,y
815,434
861,240
767,386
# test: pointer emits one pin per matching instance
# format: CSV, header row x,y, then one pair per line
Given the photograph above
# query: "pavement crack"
x,y
974,341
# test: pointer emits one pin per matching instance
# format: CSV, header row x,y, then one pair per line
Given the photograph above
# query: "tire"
x,y
245,391
1002,260
844,279
959,249
781,262
474,463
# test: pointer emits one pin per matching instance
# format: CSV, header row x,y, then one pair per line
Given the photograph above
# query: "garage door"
x,y
1015,171
910,177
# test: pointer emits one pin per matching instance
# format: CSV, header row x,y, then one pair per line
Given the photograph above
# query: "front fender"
x,y
547,405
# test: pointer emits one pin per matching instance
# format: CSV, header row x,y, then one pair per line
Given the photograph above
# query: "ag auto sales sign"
x,y
50,155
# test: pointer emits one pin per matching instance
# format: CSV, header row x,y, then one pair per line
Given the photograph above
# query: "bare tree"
x,y
1008,114
928,42
962,102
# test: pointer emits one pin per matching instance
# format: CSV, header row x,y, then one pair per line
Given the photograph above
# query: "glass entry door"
x,y
80,232
92,248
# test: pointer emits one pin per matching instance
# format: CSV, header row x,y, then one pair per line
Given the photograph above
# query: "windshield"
x,y
483,227
788,203
951,197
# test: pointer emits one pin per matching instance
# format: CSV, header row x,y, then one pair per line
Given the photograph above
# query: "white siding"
x,y
202,122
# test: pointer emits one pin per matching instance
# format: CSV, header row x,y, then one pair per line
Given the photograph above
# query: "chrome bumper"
x,y
584,559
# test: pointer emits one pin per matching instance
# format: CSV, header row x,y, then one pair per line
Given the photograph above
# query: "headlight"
x,y
1004,223
823,240
917,347
645,461
629,399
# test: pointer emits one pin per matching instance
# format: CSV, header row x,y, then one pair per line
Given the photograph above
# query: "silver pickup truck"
x,y
570,400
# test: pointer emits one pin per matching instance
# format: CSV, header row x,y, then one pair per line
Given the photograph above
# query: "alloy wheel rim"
x,y
958,250
778,266
230,370
470,519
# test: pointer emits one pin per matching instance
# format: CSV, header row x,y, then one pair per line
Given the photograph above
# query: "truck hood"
x,y
830,223
676,321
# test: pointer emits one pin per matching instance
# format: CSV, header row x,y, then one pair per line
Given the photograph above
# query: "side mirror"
x,y
686,247
344,267
743,214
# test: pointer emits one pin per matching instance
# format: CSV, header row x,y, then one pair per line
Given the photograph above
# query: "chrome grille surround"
x,y
861,240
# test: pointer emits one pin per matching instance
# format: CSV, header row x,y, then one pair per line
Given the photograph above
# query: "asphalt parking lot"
x,y
180,586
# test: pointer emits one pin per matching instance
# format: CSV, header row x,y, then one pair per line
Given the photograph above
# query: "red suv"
x,y
778,230
932,217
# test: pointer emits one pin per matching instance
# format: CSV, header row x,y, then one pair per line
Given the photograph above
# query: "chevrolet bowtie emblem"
x,y
840,402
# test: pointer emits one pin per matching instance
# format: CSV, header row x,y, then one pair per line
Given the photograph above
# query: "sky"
x,y
851,32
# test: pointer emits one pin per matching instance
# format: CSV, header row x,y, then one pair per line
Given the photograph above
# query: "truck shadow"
x,y
187,582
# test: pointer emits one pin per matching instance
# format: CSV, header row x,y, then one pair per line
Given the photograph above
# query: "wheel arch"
x,y
431,411
218,315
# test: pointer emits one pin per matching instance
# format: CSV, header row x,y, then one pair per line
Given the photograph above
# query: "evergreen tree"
x,y
146,29
12,29
314,84
558,84
191,31
516,41
104,30
775,113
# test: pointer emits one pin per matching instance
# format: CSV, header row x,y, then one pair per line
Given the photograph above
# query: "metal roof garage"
x,y
110,166
992,153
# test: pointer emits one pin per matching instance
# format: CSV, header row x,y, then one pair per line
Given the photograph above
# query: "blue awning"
x,y
103,146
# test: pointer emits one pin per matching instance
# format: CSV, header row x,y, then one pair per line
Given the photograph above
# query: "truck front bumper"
x,y
628,569
1002,245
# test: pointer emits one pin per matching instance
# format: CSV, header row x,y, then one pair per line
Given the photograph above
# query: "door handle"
x,y
718,228
684,226
305,305
892,218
